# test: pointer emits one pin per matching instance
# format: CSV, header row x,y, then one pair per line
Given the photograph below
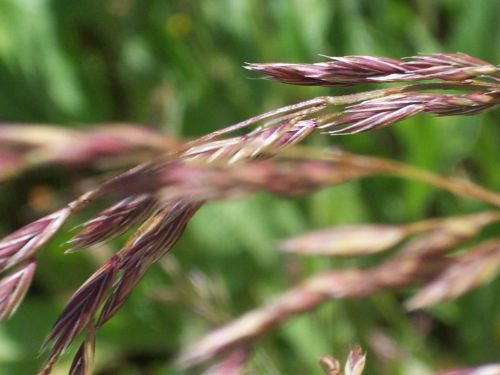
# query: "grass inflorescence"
x,y
158,197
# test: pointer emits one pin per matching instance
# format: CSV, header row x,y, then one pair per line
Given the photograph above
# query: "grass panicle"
x,y
175,178
356,70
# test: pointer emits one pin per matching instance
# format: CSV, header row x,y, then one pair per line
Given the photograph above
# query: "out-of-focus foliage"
x,y
176,66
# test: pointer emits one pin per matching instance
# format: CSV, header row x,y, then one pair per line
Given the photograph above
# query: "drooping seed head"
x,y
153,239
81,308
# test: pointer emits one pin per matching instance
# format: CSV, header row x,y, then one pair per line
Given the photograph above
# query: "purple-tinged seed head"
x,y
82,361
355,70
81,308
24,242
13,287
114,221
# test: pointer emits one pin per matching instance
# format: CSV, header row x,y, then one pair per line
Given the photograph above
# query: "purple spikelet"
x,y
154,239
356,70
114,221
81,308
24,242
13,287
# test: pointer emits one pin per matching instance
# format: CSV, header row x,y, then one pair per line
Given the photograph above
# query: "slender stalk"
x,y
456,186
342,100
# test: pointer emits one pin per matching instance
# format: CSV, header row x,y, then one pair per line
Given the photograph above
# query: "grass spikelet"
x,y
356,70
346,240
372,238
83,359
13,287
330,365
25,242
114,221
80,309
464,273
154,239
380,112
355,363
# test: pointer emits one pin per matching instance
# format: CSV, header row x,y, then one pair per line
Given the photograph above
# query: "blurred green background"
x,y
176,66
